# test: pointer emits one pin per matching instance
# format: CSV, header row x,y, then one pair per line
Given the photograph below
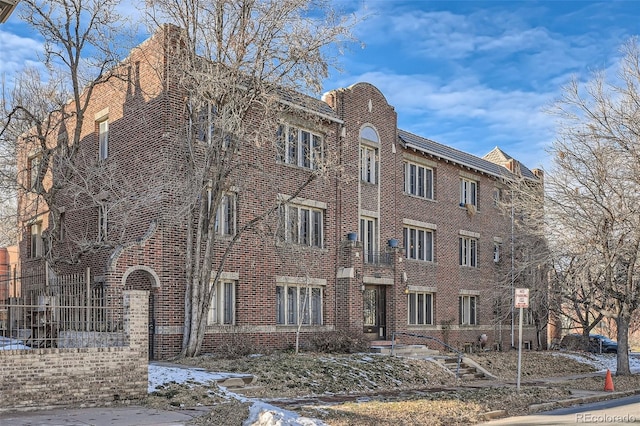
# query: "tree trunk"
x,y
622,366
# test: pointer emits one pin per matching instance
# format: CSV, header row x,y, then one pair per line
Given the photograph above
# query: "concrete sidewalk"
x,y
100,416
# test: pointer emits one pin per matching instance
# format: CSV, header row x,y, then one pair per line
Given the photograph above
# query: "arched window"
x,y
369,155
369,134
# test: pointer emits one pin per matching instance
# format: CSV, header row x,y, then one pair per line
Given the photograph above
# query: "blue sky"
x,y
470,74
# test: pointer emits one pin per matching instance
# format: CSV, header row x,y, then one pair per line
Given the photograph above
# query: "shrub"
x,y
341,341
235,345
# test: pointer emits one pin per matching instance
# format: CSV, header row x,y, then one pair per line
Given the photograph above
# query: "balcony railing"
x,y
378,258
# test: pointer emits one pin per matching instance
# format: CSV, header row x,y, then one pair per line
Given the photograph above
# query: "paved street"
x,y
621,411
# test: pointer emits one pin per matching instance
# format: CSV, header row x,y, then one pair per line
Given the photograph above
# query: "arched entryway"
x,y
144,278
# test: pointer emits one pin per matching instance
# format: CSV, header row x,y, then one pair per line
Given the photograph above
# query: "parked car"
x,y
596,343
607,345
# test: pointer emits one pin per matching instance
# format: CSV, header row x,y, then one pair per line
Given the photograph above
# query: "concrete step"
x,y
466,370
404,350
236,382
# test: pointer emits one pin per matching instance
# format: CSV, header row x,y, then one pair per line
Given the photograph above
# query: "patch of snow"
x,y
602,362
260,413
160,375
7,343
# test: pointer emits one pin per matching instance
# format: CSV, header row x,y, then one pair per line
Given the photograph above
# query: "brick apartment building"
x,y
405,237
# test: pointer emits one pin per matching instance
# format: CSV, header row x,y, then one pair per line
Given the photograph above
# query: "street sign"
x,y
521,299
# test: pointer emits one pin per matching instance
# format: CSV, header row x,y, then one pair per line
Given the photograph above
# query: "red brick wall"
x,y
140,114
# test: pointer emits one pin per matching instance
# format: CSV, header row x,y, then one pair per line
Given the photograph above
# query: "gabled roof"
x,y
462,158
498,156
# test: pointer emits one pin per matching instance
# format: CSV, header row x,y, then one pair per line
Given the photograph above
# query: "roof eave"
x,y
311,111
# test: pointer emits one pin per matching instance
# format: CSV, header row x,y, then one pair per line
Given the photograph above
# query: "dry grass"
x,y
393,391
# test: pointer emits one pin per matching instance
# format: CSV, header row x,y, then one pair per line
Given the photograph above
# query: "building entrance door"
x,y
375,316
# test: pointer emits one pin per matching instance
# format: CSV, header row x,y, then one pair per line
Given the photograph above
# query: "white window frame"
x,y
369,164
299,147
418,180
103,139
369,238
420,308
303,225
497,197
103,222
468,309
225,219
34,163
290,308
35,243
468,192
468,251
496,251
418,243
222,310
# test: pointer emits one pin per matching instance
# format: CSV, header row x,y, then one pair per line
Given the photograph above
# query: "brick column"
x,y
135,319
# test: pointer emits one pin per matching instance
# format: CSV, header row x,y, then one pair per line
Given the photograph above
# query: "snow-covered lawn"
x,y
603,362
260,413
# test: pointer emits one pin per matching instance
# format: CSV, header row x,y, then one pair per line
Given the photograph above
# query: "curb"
x,y
546,406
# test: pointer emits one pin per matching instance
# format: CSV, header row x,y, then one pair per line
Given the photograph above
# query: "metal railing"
x,y
47,325
378,258
450,348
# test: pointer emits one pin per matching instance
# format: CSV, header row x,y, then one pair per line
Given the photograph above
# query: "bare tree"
x,y
525,254
43,115
240,66
594,190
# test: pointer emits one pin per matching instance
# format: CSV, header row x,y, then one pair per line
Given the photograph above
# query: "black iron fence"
x,y
59,311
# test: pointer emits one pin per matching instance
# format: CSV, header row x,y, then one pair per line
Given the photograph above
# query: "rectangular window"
x,y
34,169
103,139
467,310
418,243
420,308
295,302
418,180
468,252
496,252
225,221
298,147
369,164
62,227
102,223
368,237
35,248
468,192
205,123
497,197
303,225
222,310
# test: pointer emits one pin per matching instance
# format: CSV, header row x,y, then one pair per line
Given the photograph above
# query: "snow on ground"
x,y
260,413
7,343
603,362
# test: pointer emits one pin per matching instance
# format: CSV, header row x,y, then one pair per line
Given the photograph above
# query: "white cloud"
x,y
17,51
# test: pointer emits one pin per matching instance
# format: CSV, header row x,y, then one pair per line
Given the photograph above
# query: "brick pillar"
x,y
135,319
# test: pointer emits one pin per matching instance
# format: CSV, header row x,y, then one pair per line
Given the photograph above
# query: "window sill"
x,y
302,246
433,200
317,327
296,166
421,262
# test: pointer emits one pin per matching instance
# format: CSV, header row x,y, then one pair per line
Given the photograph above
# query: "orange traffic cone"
x,y
608,382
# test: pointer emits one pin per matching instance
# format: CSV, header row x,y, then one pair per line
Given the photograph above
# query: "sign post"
x,y
521,300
